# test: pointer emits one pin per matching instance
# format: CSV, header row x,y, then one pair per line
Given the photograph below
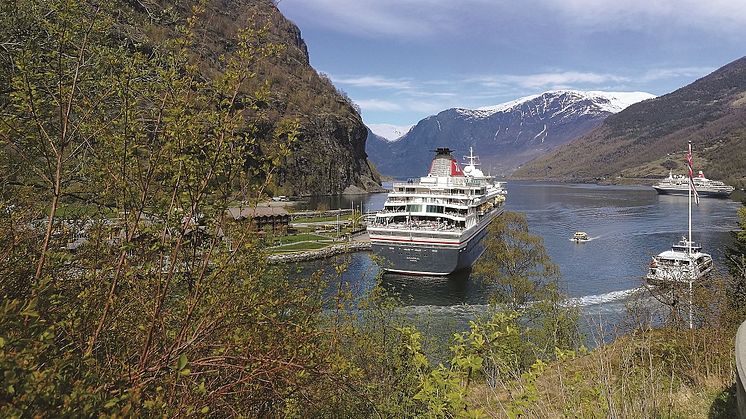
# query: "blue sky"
x,y
402,60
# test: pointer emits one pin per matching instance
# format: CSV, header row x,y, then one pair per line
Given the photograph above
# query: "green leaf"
x,y
205,410
182,362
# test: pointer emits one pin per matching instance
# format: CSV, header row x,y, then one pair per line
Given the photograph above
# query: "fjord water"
x,y
627,225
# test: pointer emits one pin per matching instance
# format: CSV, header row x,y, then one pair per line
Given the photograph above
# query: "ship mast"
x,y
471,157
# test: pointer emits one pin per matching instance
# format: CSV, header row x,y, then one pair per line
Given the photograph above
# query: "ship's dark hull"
x,y
429,259
685,192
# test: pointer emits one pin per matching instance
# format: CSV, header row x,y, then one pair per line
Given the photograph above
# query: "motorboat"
x,y
580,236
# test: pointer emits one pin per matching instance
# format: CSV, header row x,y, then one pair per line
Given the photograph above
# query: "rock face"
x,y
329,155
648,138
504,136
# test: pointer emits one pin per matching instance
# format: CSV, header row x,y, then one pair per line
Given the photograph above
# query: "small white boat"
x,y
580,236
684,263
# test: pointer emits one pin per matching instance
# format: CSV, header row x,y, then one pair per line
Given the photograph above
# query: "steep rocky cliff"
x,y
329,155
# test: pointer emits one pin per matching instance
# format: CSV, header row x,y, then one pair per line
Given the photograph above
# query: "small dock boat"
x,y
580,236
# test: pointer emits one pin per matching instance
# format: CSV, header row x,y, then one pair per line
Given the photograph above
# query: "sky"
x,y
403,60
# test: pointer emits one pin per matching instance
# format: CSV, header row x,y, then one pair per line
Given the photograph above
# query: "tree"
x,y
167,308
515,261
526,282
736,260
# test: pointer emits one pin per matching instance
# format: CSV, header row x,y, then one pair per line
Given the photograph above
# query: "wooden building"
x,y
262,217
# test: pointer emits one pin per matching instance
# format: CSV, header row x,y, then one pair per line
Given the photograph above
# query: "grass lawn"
x,y
321,219
77,210
295,238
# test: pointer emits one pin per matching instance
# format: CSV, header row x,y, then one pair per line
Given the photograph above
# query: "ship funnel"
x,y
444,164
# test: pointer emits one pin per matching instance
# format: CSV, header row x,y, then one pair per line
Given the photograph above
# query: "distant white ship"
x,y
679,185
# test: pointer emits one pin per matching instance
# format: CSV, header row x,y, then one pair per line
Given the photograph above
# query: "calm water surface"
x,y
627,224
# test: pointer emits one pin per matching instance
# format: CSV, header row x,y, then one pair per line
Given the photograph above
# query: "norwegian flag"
x,y
691,174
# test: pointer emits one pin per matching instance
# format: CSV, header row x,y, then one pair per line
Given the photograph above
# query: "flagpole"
x,y
691,181
689,244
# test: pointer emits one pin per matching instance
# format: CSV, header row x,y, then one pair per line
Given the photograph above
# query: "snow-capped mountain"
x,y
612,102
505,135
389,132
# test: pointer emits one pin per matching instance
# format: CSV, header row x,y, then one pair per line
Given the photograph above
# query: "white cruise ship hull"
x,y
430,256
684,191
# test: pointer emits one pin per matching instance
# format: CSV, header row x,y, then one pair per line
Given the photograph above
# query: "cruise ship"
x,y
434,225
679,185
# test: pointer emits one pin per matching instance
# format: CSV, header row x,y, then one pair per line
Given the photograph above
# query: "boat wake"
x,y
474,309
609,297
587,240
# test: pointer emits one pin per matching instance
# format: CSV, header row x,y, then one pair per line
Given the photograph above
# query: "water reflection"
x,y
453,289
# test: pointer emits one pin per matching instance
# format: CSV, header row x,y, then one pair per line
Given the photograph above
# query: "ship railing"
x,y
421,225
429,194
439,201
430,214
455,181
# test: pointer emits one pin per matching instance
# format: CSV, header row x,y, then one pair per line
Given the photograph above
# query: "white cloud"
x,y
670,73
549,80
372,81
417,18
407,105
426,18
422,106
378,105
712,15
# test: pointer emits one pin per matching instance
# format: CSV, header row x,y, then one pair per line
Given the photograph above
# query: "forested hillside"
x,y
648,138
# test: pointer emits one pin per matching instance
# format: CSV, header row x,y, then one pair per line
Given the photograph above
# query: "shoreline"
x,y
326,252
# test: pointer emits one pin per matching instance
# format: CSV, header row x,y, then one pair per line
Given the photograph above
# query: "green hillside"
x,y
648,138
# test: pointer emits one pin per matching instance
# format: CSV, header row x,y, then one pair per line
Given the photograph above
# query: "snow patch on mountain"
x,y
489,110
612,102
390,132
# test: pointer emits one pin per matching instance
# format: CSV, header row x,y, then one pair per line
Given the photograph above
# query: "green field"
x,y
321,219
303,237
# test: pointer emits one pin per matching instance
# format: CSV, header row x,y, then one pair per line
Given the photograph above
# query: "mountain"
x,y
377,147
388,131
295,92
328,119
504,136
648,138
